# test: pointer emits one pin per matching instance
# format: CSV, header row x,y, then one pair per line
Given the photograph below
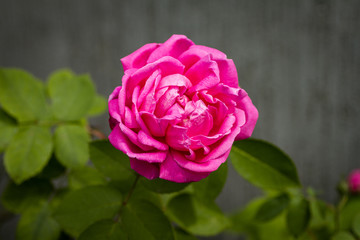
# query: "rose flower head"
x,y
179,110
354,181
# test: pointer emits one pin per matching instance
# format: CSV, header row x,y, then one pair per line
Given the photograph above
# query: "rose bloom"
x,y
354,181
179,110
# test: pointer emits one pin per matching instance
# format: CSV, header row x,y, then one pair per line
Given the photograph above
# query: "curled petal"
x,y
177,138
115,93
170,170
251,116
147,140
175,80
228,73
174,46
139,58
216,54
148,170
191,56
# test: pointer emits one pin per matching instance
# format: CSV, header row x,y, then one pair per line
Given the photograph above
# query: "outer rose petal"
x,y
145,169
139,58
251,116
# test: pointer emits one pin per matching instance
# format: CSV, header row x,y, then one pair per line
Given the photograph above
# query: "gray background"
x,y
298,60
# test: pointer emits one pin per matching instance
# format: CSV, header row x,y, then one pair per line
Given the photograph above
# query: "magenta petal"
x,y
120,141
214,52
251,115
200,167
191,56
203,75
139,58
114,94
176,137
157,126
174,46
175,80
228,73
114,110
171,171
147,140
148,170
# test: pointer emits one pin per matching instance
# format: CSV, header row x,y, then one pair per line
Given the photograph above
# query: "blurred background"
x,y
298,60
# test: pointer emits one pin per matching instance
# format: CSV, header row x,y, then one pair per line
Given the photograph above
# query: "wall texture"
x,y
298,60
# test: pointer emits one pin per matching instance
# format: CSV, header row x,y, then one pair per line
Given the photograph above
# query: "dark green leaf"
x,y
343,236
81,208
349,212
197,217
37,223
18,198
21,95
182,235
143,220
85,176
298,216
264,165
356,225
163,186
110,161
28,152
209,188
272,208
99,106
104,230
53,169
8,128
72,96
71,145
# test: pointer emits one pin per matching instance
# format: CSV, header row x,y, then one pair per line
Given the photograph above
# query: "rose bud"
x,y
354,181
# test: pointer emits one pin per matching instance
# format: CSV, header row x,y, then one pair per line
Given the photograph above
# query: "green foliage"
x,y
60,194
83,207
71,145
28,152
264,165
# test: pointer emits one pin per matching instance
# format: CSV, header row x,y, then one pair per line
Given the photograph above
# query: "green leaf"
x,y
349,212
72,96
163,186
182,235
195,216
143,220
85,176
104,230
18,198
98,107
110,161
356,225
28,152
71,145
343,236
8,128
81,208
272,208
264,165
210,187
298,216
21,95
37,223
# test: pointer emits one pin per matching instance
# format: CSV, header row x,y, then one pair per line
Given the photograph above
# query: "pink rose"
x,y
354,181
179,110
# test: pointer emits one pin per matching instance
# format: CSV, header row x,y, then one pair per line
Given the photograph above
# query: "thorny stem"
x,y
126,200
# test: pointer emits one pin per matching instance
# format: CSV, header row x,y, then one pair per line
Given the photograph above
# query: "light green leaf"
x,y
8,128
72,96
18,198
21,95
110,161
99,106
356,225
264,165
210,187
298,216
272,208
143,220
195,216
104,230
81,208
71,145
37,223
85,176
28,152
343,236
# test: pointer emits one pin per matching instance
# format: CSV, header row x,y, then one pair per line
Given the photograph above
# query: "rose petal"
x,y
175,80
157,126
171,171
228,73
191,56
114,94
148,170
139,58
177,138
251,116
147,140
174,46
214,52
119,140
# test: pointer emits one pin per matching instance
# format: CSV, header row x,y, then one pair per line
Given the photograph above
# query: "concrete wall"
x,y
298,60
